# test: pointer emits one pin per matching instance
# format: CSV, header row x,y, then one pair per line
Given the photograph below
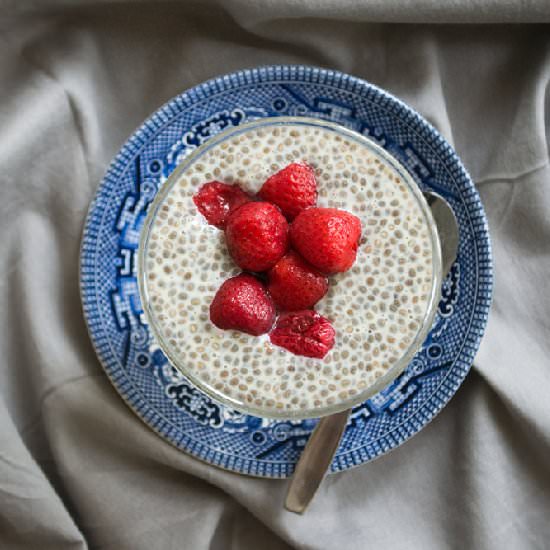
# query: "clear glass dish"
x,y
208,387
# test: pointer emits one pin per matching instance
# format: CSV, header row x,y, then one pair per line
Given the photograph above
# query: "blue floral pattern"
x,y
158,393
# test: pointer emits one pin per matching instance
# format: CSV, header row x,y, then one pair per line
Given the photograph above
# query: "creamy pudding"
x,y
380,309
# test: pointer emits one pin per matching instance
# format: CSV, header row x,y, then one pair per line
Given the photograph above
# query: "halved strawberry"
x,y
216,200
327,238
294,284
242,303
292,189
304,333
257,236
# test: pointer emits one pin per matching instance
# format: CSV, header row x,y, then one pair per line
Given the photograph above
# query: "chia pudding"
x,y
377,308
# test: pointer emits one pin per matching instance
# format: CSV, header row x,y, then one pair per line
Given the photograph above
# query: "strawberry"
x,y
256,235
294,284
304,333
242,303
327,238
216,200
292,189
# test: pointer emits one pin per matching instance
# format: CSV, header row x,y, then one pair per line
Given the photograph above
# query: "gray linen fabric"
x,y
77,468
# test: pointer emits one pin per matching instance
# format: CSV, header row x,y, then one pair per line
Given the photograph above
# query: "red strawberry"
x,y
294,284
304,333
327,238
292,189
242,303
256,235
216,200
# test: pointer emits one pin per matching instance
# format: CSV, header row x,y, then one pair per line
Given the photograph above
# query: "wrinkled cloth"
x,y
77,468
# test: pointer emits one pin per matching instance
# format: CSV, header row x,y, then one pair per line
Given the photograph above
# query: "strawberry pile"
x,y
287,247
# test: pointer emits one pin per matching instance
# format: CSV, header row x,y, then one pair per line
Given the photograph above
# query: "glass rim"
x,y
393,372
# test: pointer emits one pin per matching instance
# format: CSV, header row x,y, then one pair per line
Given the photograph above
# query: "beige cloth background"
x,y
77,468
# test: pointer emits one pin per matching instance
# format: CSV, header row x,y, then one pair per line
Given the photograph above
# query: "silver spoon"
x,y
322,445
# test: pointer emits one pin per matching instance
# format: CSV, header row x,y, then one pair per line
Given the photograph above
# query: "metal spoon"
x,y
319,451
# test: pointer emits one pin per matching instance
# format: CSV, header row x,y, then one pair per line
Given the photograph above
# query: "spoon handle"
x,y
315,461
321,446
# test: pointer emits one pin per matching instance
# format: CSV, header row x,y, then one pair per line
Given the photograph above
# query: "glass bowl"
x,y
208,387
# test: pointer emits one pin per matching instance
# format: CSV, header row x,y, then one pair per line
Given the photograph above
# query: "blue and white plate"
x,y
161,396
